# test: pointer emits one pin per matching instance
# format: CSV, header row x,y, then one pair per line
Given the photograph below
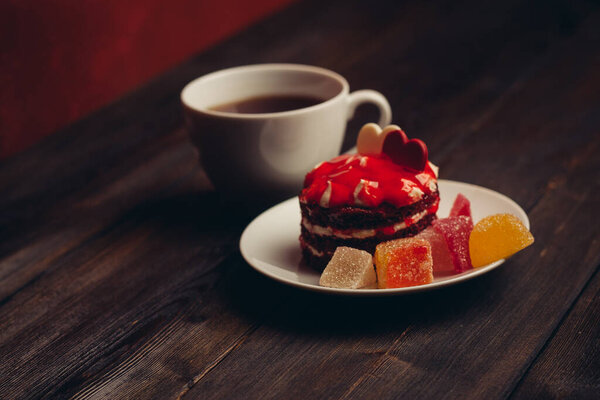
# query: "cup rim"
x,y
268,66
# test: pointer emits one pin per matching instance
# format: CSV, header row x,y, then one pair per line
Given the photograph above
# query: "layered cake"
x,y
387,190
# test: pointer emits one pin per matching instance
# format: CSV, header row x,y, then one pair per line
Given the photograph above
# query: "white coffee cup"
x,y
267,155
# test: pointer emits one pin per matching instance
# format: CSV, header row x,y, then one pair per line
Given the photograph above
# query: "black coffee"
x,y
268,104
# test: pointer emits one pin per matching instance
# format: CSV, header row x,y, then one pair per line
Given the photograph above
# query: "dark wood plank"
x,y
128,287
569,367
51,230
475,340
119,274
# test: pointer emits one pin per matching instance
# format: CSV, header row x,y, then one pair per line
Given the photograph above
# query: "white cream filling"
x,y
356,233
314,251
415,194
324,202
432,186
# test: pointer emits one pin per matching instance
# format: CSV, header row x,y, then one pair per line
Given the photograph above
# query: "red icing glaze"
x,y
434,207
376,181
388,230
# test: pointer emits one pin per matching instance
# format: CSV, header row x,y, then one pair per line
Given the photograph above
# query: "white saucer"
x,y
270,242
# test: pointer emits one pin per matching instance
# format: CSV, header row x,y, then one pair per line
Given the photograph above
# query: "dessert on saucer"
x,y
387,190
369,219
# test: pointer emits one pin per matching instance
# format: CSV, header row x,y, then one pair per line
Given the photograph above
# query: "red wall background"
x,y
61,59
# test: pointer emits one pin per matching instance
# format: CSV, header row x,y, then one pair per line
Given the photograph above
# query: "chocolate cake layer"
x,y
315,262
349,217
328,244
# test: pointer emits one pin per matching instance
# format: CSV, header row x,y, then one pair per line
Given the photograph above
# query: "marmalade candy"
x,y
456,230
461,206
443,263
403,262
350,269
496,237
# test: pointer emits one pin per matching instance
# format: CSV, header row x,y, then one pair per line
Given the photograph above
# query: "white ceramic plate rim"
x,y
284,273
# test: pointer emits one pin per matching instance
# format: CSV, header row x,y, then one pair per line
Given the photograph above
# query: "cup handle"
x,y
370,96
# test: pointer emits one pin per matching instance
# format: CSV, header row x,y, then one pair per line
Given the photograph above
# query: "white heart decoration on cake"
x,y
371,137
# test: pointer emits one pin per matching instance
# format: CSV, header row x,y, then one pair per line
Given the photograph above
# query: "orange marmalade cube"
x,y
403,262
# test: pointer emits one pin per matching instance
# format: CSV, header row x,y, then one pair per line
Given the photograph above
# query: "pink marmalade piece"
x,y
366,181
443,263
456,230
461,206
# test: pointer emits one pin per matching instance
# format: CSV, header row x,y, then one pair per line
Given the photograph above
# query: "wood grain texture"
x,y
119,270
569,367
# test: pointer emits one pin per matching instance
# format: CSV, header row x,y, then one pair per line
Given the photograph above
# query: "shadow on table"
x,y
197,220
286,308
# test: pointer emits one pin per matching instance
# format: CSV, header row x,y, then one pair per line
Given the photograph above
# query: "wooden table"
x,y
120,274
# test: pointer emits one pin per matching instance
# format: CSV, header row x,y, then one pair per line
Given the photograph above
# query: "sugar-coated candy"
x,y
456,231
496,237
442,259
349,268
461,206
403,262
